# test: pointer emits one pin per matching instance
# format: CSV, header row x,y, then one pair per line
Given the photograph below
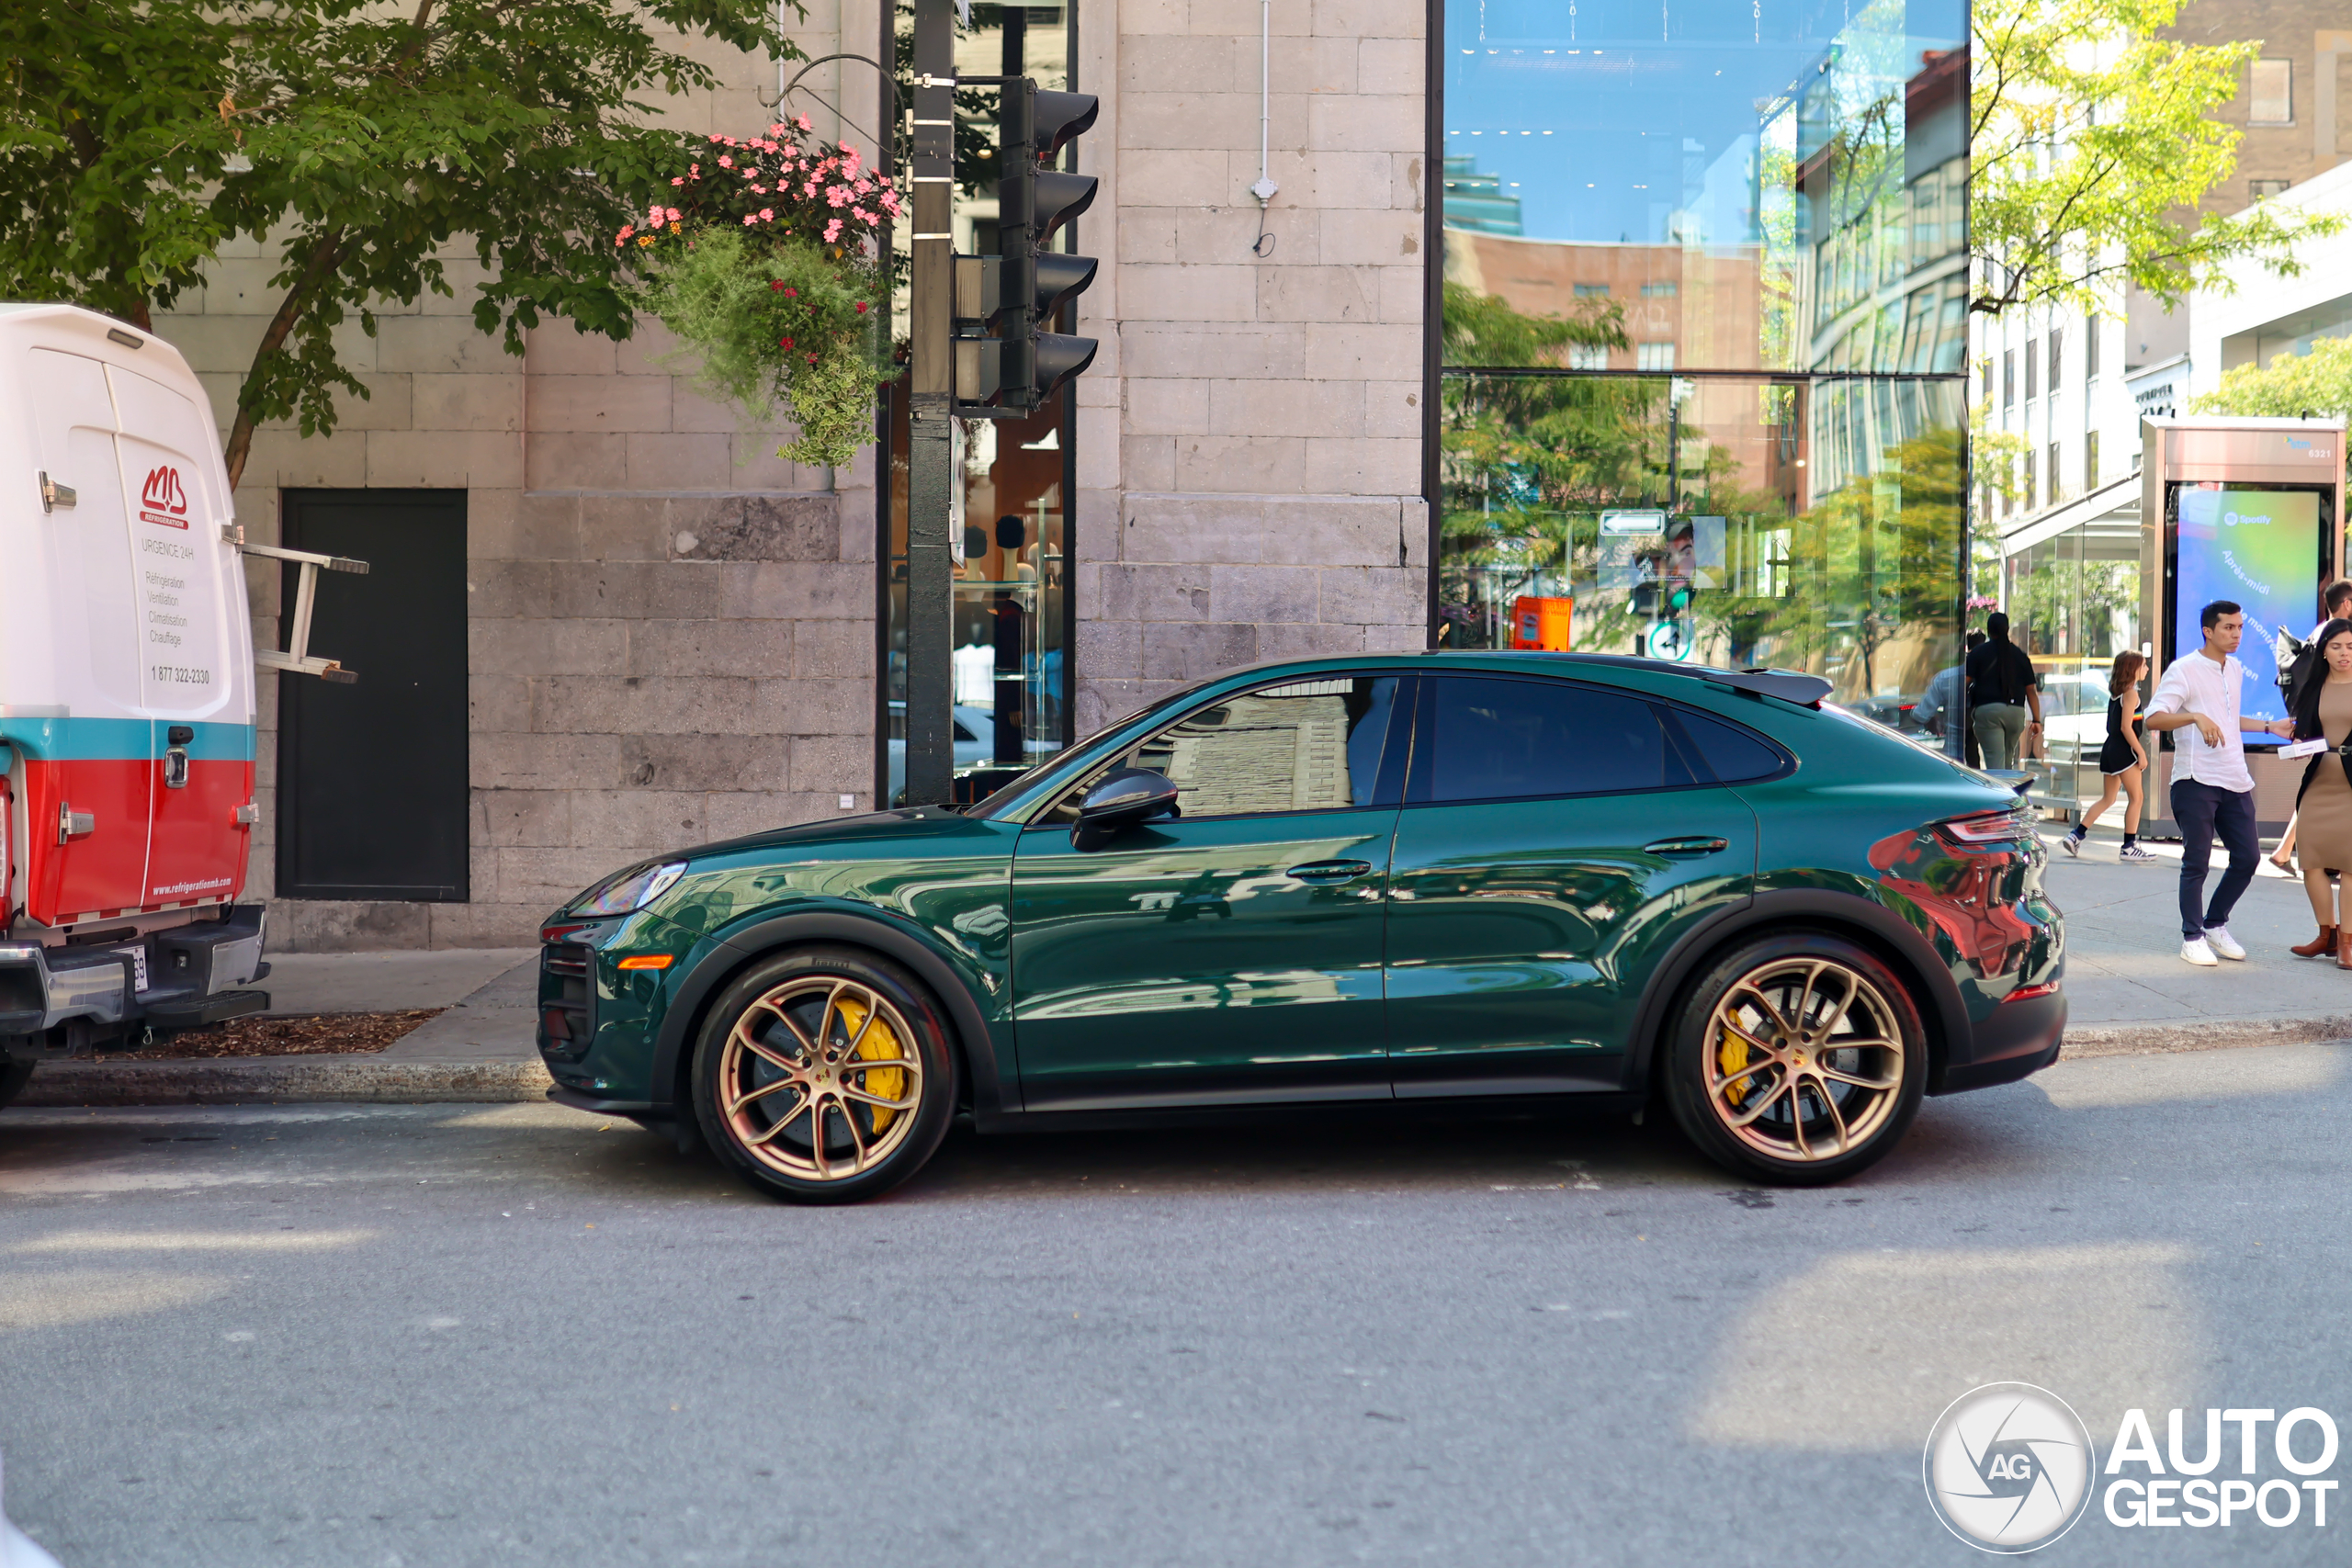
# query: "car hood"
x,y
874,833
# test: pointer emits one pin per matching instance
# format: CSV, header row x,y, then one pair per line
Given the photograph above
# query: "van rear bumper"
x,y
195,975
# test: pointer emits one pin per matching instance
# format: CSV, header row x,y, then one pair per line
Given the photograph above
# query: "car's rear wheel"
x,y
825,1075
13,1076
1797,1060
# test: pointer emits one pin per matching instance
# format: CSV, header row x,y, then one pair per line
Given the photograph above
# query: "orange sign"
x,y
1542,623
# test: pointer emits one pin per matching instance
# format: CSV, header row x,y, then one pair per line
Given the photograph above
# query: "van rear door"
x,y
191,673
88,795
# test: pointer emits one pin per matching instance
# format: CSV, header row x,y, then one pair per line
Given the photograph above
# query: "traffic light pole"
x,y
931,588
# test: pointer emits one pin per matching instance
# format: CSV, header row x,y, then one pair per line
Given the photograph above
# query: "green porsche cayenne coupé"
x,y
1468,879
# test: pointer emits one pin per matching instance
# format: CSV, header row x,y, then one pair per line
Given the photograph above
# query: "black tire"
x,y
800,1015
1830,1109
13,1076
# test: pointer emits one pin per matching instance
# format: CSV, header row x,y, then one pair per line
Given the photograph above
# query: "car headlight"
x,y
627,890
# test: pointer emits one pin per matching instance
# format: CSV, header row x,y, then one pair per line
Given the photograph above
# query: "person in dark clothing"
x,y
2001,693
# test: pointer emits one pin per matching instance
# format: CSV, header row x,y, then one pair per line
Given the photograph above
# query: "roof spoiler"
x,y
1789,685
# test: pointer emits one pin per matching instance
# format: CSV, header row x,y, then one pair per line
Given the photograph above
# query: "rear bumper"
x,y
195,975
2014,1040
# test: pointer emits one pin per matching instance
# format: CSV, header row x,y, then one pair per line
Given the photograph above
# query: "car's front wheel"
x,y
1797,1060
825,1075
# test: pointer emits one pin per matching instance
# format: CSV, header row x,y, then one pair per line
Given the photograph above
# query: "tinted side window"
x,y
1736,755
1492,739
1302,745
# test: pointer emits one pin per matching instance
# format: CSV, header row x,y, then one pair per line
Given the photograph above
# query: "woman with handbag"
x,y
2324,804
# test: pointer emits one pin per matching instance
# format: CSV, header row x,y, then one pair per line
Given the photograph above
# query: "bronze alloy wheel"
x,y
824,1075
1799,1060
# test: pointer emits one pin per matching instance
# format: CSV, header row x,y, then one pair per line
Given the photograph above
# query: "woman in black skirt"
x,y
2122,760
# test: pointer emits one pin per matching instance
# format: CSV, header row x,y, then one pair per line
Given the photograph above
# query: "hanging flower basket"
x,y
764,257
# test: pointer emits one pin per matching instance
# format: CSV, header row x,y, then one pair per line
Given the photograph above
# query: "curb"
x,y
247,1080
2218,1034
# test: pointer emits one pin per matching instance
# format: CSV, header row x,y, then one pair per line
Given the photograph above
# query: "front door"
x,y
1232,954
1553,843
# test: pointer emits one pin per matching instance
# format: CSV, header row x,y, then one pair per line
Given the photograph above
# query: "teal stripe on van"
x,y
119,740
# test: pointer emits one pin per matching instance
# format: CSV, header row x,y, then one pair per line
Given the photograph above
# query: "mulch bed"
x,y
316,1034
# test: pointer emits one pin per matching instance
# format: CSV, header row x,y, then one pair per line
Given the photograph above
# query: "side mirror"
x,y
1125,799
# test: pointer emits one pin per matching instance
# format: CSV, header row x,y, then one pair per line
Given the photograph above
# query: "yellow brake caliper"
x,y
1731,1056
879,1045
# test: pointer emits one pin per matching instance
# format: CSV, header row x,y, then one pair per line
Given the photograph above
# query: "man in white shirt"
x,y
2211,791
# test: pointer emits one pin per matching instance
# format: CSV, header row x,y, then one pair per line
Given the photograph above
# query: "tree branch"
x,y
325,256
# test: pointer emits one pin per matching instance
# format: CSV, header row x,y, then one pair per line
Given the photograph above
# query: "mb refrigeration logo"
x,y
2008,1467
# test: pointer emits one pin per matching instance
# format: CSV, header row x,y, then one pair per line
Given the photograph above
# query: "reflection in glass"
x,y
1680,522
1751,186
1305,745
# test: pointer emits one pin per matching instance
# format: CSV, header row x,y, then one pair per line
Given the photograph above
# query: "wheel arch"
x,y
969,1032
1893,940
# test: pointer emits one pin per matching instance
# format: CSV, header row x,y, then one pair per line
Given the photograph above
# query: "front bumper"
x,y
195,975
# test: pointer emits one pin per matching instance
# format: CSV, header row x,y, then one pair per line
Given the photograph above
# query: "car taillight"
x,y
2027,993
1982,829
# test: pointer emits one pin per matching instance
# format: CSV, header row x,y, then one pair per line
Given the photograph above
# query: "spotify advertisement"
x,y
2262,548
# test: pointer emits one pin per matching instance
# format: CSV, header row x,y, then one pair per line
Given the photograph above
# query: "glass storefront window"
x,y
1676,519
1703,335
1012,605
2073,603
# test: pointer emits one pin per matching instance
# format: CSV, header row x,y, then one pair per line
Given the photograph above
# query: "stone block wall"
x,y
1249,441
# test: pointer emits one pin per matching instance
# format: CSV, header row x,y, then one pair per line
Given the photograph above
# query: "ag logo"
x,y
2008,1467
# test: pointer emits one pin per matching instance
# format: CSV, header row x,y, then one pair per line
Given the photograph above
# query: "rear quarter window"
x,y
1737,755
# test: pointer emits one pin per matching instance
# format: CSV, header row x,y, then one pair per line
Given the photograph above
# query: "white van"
x,y
127,680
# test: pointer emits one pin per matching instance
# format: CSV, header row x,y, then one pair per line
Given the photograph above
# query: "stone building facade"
x,y
672,632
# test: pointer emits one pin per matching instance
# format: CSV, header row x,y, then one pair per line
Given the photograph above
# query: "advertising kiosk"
x,y
2251,511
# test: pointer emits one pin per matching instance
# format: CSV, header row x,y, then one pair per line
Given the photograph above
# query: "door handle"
x,y
1689,847
1323,872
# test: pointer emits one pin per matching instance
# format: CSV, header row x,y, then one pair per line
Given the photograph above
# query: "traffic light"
x,y
1018,291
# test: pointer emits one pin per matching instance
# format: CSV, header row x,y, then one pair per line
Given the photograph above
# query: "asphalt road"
x,y
445,1335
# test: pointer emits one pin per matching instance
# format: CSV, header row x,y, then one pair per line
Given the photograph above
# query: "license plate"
x,y
137,956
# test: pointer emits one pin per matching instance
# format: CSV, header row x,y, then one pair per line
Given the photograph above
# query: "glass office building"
x,y
1701,335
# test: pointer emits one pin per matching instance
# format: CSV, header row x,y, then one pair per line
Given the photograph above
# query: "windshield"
x,y
1004,797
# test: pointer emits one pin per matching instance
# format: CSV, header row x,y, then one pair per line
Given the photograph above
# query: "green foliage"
x,y
2317,385
775,316
137,137
2093,142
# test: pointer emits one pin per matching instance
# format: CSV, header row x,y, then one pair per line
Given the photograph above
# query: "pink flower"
x,y
674,215
767,214
832,231
725,161
792,293
836,197
678,180
802,121
775,284
748,220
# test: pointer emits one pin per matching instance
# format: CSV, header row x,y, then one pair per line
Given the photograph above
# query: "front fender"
x,y
966,989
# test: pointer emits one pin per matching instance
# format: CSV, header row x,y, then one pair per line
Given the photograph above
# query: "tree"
x,y
136,139
2317,385
2093,143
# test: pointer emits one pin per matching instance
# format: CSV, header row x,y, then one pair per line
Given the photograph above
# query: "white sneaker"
x,y
2132,853
2194,951
2219,938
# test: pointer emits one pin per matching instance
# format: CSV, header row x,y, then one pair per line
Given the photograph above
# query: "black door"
x,y
371,776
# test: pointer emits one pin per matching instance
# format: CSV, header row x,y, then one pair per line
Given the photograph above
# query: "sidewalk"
x,y
481,1049
2127,990
2127,986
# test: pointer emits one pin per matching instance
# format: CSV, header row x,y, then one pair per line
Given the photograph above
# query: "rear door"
x,y
88,797
193,671
1556,839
